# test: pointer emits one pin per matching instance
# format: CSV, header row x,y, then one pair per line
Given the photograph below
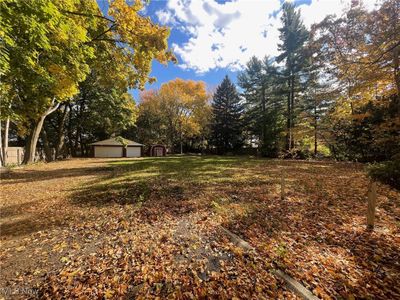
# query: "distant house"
x,y
117,147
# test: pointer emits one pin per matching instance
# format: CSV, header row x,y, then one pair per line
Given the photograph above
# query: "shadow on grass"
x,y
41,175
160,186
133,181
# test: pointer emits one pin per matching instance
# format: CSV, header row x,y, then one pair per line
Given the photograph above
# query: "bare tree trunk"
x,y
292,111
76,144
264,121
81,144
71,147
315,129
78,136
5,141
181,141
1,149
47,149
61,133
396,67
30,147
289,120
315,140
171,135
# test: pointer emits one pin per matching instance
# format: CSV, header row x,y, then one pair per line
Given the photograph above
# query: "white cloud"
x,y
319,9
165,17
227,35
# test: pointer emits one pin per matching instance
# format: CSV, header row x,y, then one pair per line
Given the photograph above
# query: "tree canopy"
x,y
177,114
49,47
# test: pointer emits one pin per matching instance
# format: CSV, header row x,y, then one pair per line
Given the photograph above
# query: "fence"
x,y
15,155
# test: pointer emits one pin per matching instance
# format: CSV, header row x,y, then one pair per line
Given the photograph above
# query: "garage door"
x,y
107,151
133,152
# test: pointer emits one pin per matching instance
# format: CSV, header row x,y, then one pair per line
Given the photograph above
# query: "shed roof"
x,y
115,142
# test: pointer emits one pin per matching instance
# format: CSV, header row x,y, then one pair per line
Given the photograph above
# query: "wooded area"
x,y
332,92
58,85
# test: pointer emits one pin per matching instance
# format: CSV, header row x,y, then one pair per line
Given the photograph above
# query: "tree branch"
x,y
87,15
107,40
52,108
103,33
386,51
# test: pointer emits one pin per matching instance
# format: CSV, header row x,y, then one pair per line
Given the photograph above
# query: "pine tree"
x,y
262,104
293,35
226,128
314,104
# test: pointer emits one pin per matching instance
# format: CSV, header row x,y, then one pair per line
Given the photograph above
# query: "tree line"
x,y
332,91
66,69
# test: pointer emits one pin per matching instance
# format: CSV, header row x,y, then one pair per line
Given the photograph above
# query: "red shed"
x,y
158,150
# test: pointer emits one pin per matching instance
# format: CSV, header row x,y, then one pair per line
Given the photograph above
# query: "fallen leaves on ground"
x,y
149,228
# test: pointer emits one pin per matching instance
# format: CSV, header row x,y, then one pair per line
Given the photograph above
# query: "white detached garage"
x,y
117,147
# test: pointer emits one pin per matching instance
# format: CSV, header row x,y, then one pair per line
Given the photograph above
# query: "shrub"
x,y
386,172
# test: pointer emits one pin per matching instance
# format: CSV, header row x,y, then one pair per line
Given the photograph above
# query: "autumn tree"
x,y
227,120
47,46
39,73
103,106
186,107
361,49
151,125
178,112
98,111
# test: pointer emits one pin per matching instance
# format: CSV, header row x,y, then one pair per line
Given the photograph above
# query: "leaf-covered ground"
x,y
147,228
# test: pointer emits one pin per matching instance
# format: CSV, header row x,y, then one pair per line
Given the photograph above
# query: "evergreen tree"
x,y
251,82
262,104
293,35
314,105
226,128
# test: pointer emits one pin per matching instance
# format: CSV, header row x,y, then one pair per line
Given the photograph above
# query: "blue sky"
x,y
214,38
171,71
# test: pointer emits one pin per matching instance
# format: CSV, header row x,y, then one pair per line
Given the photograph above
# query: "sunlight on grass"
x,y
186,169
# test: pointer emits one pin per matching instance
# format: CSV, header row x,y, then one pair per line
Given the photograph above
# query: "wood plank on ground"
x,y
291,283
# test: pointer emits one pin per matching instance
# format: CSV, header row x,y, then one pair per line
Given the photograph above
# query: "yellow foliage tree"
x,y
180,108
48,46
363,49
